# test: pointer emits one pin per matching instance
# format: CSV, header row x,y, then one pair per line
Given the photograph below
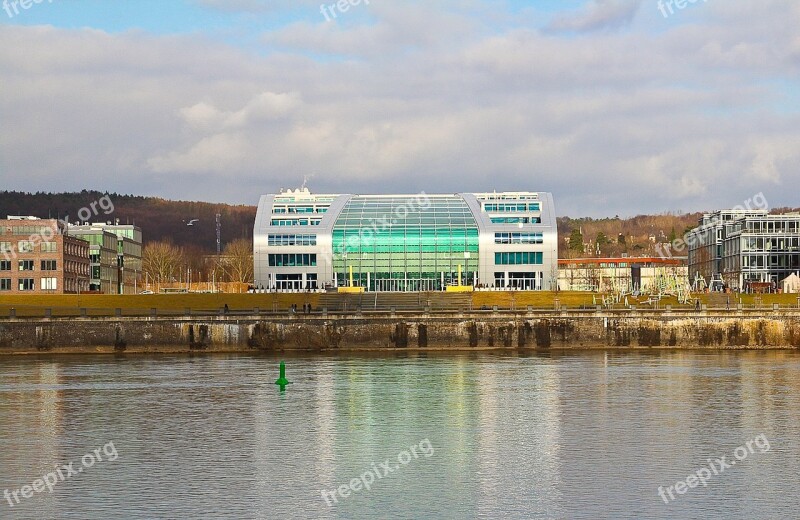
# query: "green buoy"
x,y
282,381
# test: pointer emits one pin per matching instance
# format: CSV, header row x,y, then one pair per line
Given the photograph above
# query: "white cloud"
x,y
598,15
425,96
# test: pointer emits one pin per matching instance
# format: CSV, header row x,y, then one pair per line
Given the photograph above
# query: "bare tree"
x,y
238,260
162,261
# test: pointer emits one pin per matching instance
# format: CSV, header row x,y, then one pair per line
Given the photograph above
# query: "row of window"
x,y
299,209
519,258
508,207
27,246
529,280
773,226
407,222
518,238
29,265
295,222
292,240
516,220
508,196
770,244
32,231
770,261
291,260
295,277
29,284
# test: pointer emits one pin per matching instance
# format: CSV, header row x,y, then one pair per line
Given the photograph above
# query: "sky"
x,y
618,107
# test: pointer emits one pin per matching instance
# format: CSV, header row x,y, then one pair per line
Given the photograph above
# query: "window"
x,y
5,284
27,284
508,207
5,247
518,258
49,265
5,265
518,238
516,220
25,246
49,247
26,265
49,284
291,260
292,240
295,222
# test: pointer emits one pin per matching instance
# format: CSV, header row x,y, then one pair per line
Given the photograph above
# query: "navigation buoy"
x,y
282,381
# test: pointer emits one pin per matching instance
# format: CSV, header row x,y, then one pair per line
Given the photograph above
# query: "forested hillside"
x,y
168,220
159,219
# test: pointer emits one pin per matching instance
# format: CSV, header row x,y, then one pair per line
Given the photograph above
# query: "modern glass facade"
x,y
394,245
744,249
116,254
405,242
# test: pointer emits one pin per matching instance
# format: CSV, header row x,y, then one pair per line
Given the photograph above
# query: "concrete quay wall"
x,y
391,331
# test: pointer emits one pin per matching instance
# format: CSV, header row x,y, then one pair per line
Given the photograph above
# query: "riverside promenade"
x,y
407,321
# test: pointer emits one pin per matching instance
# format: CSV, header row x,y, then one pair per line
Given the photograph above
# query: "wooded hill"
x,y
159,219
166,220
636,236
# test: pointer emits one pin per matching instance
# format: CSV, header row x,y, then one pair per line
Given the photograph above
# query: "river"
x,y
580,435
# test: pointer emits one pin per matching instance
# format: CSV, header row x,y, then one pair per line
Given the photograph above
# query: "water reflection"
x,y
590,435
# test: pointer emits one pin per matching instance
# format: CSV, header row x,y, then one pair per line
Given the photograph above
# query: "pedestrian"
x,y
226,308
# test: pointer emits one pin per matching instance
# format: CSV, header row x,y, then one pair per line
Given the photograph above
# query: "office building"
x,y
116,256
37,256
744,250
623,274
305,241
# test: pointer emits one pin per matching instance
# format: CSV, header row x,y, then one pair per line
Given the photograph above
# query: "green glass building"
x,y
418,242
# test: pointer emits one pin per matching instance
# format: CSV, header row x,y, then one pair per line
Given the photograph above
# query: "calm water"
x,y
590,435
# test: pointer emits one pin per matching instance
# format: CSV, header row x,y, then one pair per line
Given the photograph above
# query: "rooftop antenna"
x,y
306,178
219,228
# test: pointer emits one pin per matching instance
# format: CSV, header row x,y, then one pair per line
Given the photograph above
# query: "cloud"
x,y
247,6
266,106
421,96
597,15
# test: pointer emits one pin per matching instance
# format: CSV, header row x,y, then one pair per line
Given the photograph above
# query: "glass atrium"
x,y
405,243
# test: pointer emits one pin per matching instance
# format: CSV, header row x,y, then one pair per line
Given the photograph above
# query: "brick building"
x,y
38,257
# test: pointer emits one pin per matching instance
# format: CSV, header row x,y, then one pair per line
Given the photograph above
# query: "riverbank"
x,y
456,330
78,305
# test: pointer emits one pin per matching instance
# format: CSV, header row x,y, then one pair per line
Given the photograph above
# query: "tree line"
x,y
166,263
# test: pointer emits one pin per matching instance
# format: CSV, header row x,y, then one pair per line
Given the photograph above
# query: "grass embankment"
x,y
137,305
577,299
104,305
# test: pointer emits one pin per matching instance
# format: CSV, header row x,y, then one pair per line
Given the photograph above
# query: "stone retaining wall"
x,y
553,330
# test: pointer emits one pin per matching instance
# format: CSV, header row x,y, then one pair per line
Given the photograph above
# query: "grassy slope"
x,y
104,305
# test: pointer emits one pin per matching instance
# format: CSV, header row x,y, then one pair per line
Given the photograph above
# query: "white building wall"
x,y
547,272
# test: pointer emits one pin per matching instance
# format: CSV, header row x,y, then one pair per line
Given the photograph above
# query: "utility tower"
x,y
219,229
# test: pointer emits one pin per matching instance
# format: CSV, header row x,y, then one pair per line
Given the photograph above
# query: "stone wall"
x,y
487,330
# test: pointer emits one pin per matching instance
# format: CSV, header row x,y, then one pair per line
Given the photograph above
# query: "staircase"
x,y
718,300
340,302
399,301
